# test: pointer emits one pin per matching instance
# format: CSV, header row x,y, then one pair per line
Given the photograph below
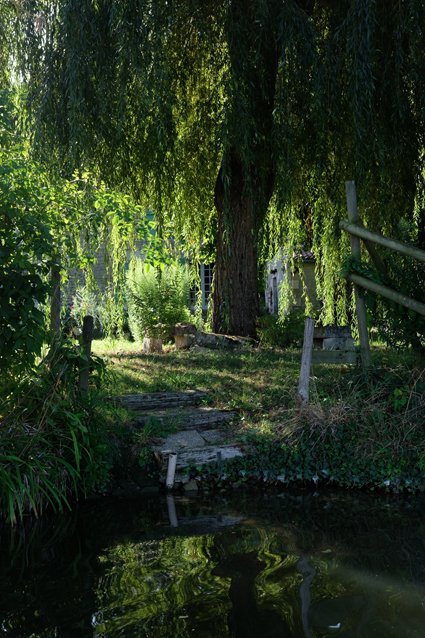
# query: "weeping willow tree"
x,y
237,121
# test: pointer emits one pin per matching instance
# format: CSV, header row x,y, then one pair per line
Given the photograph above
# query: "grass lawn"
x,y
261,384
357,431
252,381
258,382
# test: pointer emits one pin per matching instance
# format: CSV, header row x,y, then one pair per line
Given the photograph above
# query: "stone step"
x,y
184,440
186,418
160,400
196,457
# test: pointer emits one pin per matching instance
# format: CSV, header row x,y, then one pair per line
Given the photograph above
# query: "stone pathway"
x,y
198,434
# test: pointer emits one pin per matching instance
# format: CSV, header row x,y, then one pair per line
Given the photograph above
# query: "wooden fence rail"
x,y
357,231
376,238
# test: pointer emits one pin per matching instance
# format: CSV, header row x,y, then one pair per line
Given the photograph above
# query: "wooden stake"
x,y
304,383
86,339
55,305
171,470
353,216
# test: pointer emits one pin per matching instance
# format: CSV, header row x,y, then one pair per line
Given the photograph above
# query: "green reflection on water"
x,y
293,566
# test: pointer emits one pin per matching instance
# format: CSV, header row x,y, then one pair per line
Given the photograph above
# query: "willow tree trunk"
x,y
235,297
246,178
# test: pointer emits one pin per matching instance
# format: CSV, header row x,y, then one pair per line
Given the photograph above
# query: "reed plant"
x,y
52,440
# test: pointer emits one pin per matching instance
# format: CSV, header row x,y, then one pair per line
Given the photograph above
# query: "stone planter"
x,y
152,345
183,342
184,335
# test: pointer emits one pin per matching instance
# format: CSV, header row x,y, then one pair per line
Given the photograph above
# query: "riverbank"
x,y
357,432
58,446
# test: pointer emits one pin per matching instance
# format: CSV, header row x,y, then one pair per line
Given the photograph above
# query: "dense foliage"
x,y
238,121
25,260
48,221
157,299
50,443
53,441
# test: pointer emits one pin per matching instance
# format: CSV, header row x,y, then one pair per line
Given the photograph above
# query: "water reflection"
x,y
307,566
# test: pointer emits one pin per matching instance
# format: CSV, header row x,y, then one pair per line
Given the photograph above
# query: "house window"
x,y
207,273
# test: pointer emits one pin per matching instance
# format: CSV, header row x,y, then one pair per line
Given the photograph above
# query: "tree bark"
x,y
235,297
245,181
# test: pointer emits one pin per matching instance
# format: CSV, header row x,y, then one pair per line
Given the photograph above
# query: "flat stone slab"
x,y
219,341
154,400
208,454
180,441
213,436
330,332
187,418
201,456
339,343
188,439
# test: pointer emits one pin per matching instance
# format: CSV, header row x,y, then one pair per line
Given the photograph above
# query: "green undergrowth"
x,y
357,431
372,437
55,445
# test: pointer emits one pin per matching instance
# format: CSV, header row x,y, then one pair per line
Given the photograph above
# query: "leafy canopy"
x,y
148,94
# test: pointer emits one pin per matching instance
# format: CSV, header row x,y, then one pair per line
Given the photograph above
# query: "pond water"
x,y
251,565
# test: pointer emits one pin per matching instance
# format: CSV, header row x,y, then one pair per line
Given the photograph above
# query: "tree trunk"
x,y
245,181
235,297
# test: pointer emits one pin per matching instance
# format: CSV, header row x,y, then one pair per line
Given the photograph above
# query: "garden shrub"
x,y
106,308
86,301
157,299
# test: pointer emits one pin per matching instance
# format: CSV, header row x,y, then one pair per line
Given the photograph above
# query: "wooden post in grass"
x,y
171,470
55,304
353,216
86,339
304,383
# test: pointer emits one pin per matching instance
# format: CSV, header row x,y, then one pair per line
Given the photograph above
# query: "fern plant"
x,y
157,299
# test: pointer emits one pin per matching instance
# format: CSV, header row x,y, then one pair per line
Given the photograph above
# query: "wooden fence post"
x,y
304,383
86,339
350,190
55,304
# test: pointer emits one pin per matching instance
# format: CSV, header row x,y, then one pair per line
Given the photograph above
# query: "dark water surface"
x,y
323,565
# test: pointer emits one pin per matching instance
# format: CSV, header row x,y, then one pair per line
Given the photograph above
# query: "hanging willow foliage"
x,y
156,95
